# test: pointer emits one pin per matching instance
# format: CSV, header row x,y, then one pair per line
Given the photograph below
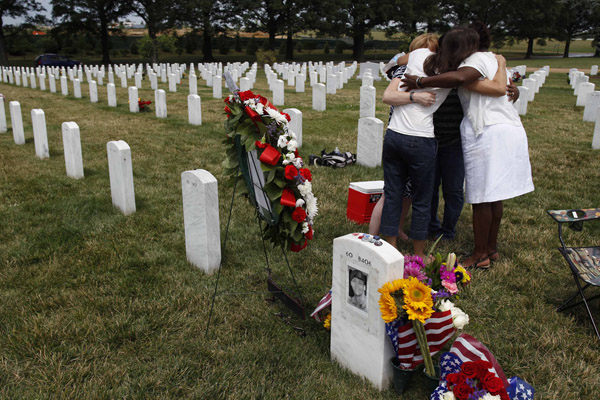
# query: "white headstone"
x,y
522,101
295,124
42,79
582,79
217,86
138,80
319,99
16,120
64,89
201,219
591,106
331,84
300,81
52,83
278,93
596,139
121,176
123,80
594,70
370,141
245,84
172,83
367,101
33,80
194,109
93,91
3,125
193,84
111,92
530,84
358,338
72,149
40,134
584,89
77,88
160,100
134,105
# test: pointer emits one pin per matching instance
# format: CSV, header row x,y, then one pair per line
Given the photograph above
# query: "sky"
x,y
46,4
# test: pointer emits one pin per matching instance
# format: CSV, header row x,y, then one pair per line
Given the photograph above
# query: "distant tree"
x,y
265,15
158,15
535,19
574,18
29,9
93,16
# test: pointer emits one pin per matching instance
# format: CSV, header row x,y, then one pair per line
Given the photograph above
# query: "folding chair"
x,y
583,261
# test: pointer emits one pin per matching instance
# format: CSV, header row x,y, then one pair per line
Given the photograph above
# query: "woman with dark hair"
x,y
410,147
357,292
494,143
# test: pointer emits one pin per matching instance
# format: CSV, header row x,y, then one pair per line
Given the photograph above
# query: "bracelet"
x,y
411,97
419,85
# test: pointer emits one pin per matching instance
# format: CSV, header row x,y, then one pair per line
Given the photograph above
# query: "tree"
x,y
354,19
412,16
266,15
30,9
158,15
575,17
537,21
93,16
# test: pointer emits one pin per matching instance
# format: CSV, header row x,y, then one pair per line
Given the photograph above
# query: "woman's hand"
x,y
424,98
512,91
409,82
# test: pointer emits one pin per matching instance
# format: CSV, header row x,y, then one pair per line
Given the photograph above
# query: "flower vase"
x,y
432,382
401,376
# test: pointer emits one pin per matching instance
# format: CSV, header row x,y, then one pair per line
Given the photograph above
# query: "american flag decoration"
x,y
467,348
519,389
438,329
324,303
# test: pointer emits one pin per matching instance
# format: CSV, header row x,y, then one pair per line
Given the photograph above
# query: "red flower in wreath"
x,y
305,172
246,95
290,172
462,391
287,116
492,384
299,215
309,234
470,369
227,110
297,247
260,144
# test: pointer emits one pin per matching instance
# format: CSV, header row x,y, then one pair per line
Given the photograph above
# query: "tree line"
x,y
535,19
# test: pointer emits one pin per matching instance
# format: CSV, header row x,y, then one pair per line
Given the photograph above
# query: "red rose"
x,y
227,101
296,154
246,95
287,116
260,144
291,172
456,378
297,247
469,368
305,172
227,110
462,391
299,215
492,384
309,234
482,368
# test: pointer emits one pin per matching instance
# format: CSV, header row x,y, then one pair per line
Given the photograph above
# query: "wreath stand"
x,y
249,168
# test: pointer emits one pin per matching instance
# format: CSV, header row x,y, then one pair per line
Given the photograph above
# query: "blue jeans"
x,y
450,171
407,156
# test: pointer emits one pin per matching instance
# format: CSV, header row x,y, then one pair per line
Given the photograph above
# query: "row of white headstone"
x,y
587,97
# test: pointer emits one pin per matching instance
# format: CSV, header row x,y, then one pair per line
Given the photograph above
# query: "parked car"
x,y
54,60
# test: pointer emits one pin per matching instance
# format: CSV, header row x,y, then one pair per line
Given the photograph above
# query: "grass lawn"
x,y
96,305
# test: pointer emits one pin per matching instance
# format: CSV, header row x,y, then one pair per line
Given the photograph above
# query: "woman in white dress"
x,y
494,145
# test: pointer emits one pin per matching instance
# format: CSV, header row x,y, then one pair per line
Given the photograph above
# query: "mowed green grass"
x,y
96,305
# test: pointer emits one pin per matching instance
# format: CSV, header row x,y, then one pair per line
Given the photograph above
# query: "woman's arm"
x,y
403,60
452,79
495,87
394,97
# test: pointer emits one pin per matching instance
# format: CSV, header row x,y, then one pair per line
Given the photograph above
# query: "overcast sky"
x,y
46,4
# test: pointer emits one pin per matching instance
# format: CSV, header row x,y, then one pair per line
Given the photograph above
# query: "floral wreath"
x,y
260,126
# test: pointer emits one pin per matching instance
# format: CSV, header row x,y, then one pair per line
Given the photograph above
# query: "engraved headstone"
x,y
358,338
138,80
278,93
93,91
42,79
77,88
72,149
530,84
172,83
370,141
591,106
521,103
134,105
194,109
121,176
193,84
594,70
319,99
584,89
331,84
367,101
295,124
160,100
52,83
217,86
16,120
201,219
111,92
64,89
40,134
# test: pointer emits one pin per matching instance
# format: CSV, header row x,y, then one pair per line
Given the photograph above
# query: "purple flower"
x,y
440,294
413,269
447,275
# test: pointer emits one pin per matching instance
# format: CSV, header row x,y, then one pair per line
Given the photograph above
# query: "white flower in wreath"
x,y
459,318
282,142
305,227
305,189
289,158
445,305
259,108
311,206
298,163
448,396
292,145
489,396
276,115
299,203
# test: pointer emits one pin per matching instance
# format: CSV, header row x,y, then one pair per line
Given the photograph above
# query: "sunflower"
x,y
393,286
417,295
417,314
388,308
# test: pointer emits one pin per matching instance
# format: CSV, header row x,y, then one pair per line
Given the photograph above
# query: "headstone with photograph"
x,y
361,265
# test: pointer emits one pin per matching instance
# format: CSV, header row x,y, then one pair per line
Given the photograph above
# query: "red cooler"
x,y
362,197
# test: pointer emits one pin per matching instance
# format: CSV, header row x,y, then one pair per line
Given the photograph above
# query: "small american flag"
x,y
324,303
438,329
